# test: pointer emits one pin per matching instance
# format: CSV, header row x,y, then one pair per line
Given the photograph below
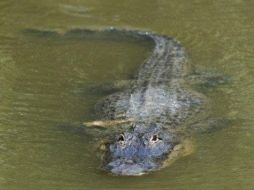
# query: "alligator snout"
x,y
131,167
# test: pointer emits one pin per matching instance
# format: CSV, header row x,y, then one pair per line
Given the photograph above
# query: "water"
x,y
43,85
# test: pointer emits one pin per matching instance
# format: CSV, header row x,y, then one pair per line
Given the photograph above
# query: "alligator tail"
x,y
166,60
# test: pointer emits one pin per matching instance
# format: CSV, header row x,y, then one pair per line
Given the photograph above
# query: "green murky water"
x,y
42,85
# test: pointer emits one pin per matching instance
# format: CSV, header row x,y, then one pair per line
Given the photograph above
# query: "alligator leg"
x,y
211,125
180,150
107,87
107,123
207,79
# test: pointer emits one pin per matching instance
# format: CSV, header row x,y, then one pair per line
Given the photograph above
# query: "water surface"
x,y
43,85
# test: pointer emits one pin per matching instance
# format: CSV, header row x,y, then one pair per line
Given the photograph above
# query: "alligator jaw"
x,y
123,167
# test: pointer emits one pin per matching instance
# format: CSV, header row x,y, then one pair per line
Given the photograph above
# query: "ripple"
x,y
75,10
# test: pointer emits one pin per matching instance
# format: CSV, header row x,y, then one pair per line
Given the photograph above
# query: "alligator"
x,y
151,114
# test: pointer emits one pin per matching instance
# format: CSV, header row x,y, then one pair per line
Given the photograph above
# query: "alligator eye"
x,y
120,138
155,139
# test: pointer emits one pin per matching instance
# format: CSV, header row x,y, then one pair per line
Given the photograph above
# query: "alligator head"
x,y
138,150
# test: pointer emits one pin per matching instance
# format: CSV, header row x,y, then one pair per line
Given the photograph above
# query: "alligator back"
x,y
158,93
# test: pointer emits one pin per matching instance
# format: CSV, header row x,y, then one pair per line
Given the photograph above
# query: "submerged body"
x,y
151,110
